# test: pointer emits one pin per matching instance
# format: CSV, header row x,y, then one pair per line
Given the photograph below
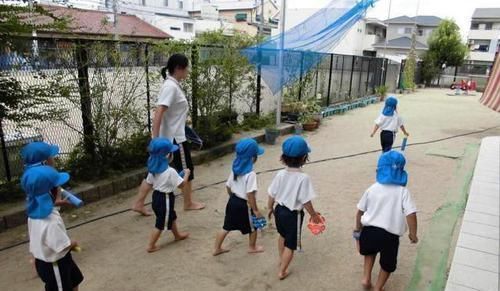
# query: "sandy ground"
x,y
114,256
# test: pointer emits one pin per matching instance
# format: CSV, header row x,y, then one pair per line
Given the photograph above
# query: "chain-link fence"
x,y
91,96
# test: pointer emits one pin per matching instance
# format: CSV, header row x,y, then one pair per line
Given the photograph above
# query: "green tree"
x,y
445,48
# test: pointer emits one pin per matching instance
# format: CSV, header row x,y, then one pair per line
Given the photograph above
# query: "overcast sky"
x,y
461,11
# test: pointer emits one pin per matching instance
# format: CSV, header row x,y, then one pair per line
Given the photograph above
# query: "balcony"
x,y
369,40
482,56
484,34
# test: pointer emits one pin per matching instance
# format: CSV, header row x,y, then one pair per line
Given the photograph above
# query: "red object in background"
x,y
473,85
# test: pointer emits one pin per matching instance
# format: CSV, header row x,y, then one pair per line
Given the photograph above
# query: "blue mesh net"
x,y
305,44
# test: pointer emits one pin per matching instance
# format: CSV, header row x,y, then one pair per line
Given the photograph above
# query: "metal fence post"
x,y
368,75
5,154
194,85
301,74
148,93
455,75
342,74
386,66
329,81
352,73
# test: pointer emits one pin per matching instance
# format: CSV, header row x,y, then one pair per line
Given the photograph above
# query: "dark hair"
x,y
175,61
296,162
235,177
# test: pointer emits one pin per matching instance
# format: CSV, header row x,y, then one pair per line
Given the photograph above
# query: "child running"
x,y
380,219
388,121
242,189
164,180
291,190
49,242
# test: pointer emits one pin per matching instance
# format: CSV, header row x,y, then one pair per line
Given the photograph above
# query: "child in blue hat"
x,y
165,180
49,241
383,213
242,189
389,122
39,153
292,191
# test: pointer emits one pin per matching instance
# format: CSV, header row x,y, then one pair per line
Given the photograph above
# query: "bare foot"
x,y
153,249
366,284
181,236
195,206
142,211
283,275
220,252
256,249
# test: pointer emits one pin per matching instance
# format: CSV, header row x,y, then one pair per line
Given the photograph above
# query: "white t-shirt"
x,y
390,123
243,185
165,182
386,206
291,188
174,120
49,241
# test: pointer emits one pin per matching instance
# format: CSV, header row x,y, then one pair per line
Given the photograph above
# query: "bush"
x,y
128,154
11,192
228,117
253,121
212,131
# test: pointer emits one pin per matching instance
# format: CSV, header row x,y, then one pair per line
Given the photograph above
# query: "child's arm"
x,y
185,179
228,189
358,221
404,130
270,206
314,215
412,225
58,199
375,128
253,203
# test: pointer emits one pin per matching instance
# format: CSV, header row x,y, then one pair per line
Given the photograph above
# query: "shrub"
x,y
212,131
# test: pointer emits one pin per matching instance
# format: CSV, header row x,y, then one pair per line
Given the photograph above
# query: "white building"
x,y
484,35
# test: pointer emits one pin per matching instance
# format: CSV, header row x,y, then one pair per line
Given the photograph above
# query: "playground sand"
x,y
114,249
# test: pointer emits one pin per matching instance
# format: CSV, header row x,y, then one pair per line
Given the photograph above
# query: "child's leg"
x,y
178,235
253,248
281,247
219,239
286,258
367,275
155,235
382,279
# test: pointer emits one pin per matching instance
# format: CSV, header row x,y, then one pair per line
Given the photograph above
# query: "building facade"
x,y
399,33
484,36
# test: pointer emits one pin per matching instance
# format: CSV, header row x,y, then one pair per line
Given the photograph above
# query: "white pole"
x,y
280,61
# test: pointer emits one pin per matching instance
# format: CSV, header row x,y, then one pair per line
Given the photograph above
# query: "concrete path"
x,y
475,263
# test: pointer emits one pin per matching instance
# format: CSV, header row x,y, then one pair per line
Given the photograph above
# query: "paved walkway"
x,y
475,264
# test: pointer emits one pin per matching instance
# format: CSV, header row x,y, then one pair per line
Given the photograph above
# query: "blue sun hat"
x,y
390,169
246,150
390,106
295,147
158,150
37,182
35,153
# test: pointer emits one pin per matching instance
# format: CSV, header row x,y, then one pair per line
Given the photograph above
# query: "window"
x,y
143,2
408,30
188,27
480,45
474,26
181,5
241,17
488,26
175,28
165,3
420,32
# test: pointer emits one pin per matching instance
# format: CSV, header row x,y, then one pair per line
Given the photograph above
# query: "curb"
x,y
129,180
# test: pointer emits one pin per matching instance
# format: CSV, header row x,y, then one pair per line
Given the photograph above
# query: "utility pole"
x,y
281,56
259,67
115,19
385,44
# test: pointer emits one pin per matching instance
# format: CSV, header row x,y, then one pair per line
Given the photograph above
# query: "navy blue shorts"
x,y
64,273
289,225
163,208
374,240
387,140
238,215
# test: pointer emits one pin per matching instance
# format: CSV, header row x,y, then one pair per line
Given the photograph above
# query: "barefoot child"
x,y
388,121
291,190
164,180
242,189
49,242
380,219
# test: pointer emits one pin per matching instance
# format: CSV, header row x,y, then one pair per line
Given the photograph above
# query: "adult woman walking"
x,y
169,122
